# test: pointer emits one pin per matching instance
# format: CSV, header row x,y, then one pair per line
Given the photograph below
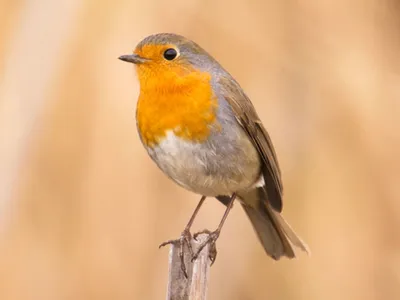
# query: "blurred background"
x,y
83,208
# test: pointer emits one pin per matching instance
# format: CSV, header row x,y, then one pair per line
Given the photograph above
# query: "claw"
x,y
211,239
185,238
213,254
205,231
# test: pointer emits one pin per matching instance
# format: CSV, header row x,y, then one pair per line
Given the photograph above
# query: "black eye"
x,y
170,54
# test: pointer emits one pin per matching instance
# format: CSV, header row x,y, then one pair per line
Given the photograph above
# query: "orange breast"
x,y
185,105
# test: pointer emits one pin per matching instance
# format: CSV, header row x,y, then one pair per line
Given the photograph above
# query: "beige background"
x,y
82,207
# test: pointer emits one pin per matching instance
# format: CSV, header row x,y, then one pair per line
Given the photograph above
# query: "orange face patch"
x,y
185,105
153,52
173,97
158,71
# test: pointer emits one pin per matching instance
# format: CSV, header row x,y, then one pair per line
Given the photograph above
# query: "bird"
x,y
201,129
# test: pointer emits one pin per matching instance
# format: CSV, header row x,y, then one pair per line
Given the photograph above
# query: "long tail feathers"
x,y
291,235
274,233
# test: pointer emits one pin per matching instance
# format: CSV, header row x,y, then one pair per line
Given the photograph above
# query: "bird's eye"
x,y
170,54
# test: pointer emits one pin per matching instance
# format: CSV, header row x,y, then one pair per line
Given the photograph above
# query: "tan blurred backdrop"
x,y
82,207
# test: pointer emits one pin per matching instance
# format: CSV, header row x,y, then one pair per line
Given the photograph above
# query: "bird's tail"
x,y
274,233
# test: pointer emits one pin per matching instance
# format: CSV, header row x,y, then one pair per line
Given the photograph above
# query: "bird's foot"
x,y
211,239
184,239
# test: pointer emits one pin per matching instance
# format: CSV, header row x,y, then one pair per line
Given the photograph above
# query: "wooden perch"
x,y
195,286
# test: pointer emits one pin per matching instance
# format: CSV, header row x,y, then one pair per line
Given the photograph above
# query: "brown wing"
x,y
248,118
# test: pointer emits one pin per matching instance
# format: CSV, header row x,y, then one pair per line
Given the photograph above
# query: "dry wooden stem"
x,y
195,286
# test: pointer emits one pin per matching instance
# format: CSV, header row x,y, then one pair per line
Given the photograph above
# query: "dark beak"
x,y
133,58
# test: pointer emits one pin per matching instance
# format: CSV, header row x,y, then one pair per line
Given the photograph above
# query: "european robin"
x,y
203,132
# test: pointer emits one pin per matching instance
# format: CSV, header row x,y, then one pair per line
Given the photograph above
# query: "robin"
x,y
203,132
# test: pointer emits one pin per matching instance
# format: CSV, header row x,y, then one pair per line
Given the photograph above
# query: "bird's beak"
x,y
133,58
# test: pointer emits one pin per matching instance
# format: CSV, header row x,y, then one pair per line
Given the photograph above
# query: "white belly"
x,y
219,166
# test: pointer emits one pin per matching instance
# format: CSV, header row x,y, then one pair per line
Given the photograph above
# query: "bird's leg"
x,y
185,237
213,236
